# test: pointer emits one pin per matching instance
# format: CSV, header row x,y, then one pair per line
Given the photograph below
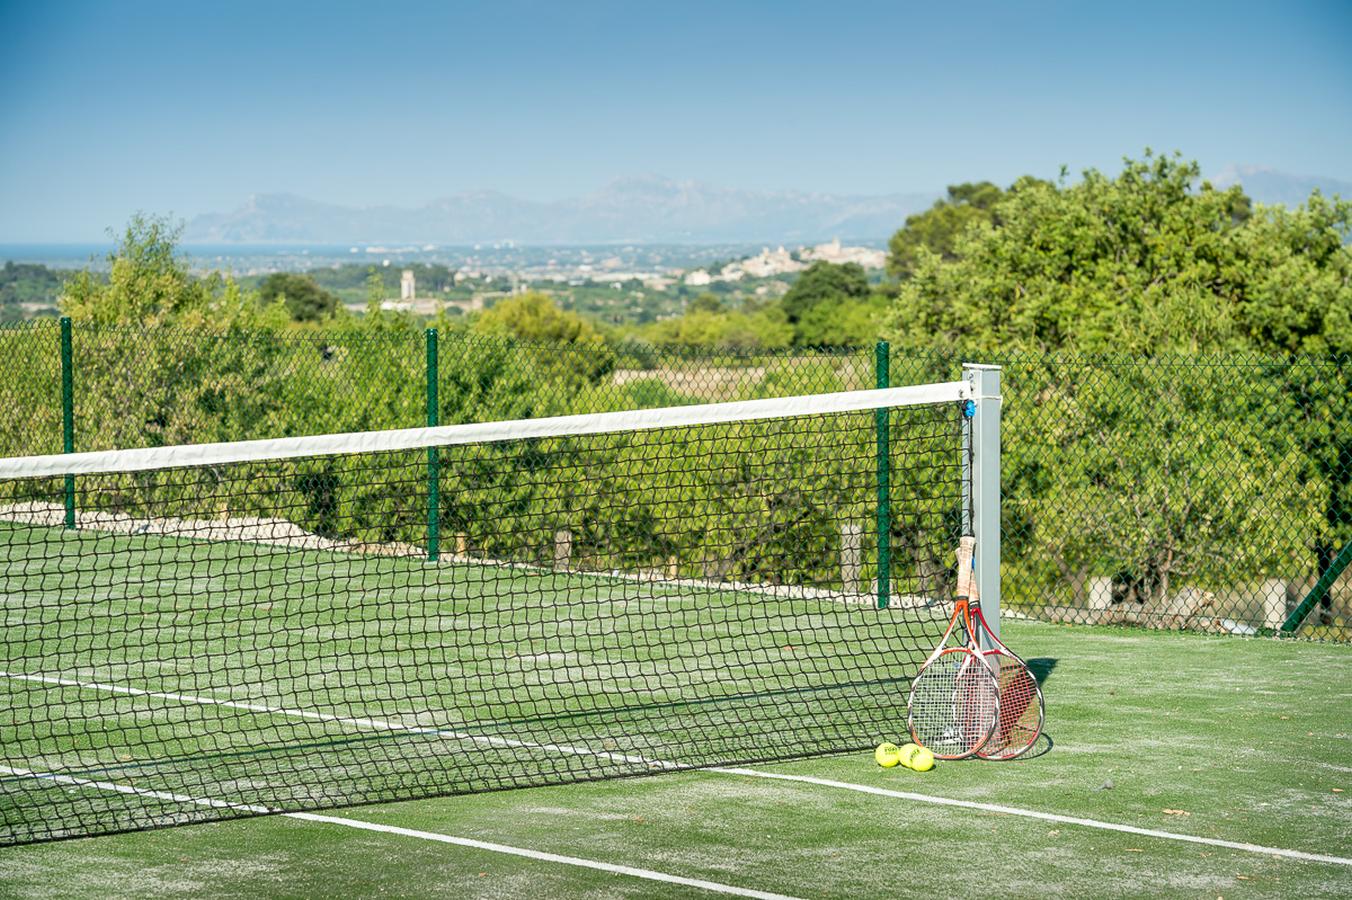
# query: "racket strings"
x,y
954,705
1020,716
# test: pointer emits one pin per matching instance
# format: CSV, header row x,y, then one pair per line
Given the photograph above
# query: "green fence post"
x,y
68,413
1317,593
433,455
880,419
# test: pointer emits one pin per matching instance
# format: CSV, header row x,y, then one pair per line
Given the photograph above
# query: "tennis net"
x,y
201,632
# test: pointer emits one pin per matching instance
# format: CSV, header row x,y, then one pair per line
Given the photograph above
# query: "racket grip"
x,y
966,586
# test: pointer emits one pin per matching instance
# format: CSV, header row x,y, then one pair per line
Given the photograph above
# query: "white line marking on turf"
x,y
540,855
612,868
1034,814
57,778
386,725
373,724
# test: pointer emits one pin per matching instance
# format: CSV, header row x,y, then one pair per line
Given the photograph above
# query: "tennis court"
x,y
1207,737
336,706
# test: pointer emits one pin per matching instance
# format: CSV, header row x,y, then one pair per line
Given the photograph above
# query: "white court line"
x,y
373,724
57,778
383,724
1034,814
546,857
631,871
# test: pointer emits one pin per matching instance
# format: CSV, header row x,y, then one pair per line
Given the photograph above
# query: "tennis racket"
x,y
1021,709
954,704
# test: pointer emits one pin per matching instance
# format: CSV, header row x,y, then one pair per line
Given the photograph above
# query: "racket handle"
x,y
966,586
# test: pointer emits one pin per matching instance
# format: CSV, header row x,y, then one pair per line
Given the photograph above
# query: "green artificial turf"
x,y
298,679
1236,739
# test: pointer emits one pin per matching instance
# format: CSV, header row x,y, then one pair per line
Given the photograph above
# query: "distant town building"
x,y
779,261
409,301
834,253
771,262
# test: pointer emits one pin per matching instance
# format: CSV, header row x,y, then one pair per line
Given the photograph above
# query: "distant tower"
x,y
407,289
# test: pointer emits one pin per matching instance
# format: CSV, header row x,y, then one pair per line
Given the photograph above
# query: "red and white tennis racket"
x,y
955,699
1021,708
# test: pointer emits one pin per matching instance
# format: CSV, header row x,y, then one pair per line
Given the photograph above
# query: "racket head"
x,y
954,704
1021,712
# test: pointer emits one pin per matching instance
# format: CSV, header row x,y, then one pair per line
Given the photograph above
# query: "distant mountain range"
x,y
649,209
646,209
1272,187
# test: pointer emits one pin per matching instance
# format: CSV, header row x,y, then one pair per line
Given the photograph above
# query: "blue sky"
x,y
186,107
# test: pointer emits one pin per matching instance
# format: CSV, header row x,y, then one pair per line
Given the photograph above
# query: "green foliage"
x,y
936,230
789,376
842,322
1140,263
534,318
706,302
26,283
822,282
1143,272
828,305
1128,456
1156,475
149,284
151,366
762,329
349,282
650,393
30,388
305,300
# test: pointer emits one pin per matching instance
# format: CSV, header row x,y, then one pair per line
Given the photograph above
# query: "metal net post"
x,y
984,485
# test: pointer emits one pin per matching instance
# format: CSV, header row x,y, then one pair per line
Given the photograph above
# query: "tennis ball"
x,y
919,758
887,755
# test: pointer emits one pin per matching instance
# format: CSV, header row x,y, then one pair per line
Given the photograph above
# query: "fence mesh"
x,y
1203,492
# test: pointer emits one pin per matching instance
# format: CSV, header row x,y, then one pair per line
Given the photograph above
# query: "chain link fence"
x,y
1206,493
1198,492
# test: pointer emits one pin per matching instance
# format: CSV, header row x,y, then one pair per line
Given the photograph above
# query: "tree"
x,y
304,299
1209,475
936,230
534,317
149,283
706,302
842,322
824,281
762,329
27,283
144,357
1141,263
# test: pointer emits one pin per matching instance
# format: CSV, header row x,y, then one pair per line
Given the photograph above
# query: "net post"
x,y
983,447
68,412
433,457
880,421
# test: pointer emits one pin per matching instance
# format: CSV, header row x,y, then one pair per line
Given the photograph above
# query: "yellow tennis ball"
x,y
906,751
887,755
922,760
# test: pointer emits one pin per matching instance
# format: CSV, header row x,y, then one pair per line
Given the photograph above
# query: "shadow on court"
x,y
1041,667
1041,746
